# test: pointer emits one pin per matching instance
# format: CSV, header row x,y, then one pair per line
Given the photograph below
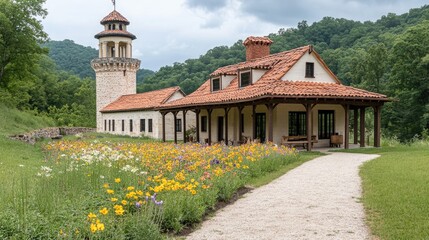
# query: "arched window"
x,y
120,26
114,27
110,26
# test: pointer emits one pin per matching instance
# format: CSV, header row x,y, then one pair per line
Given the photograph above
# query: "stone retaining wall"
x,y
52,133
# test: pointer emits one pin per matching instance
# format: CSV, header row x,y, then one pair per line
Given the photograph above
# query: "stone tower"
x,y
115,69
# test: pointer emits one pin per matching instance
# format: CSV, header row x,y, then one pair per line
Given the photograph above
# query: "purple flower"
x,y
138,205
159,202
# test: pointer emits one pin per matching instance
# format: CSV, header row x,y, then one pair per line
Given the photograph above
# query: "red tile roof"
x,y
271,84
141,101
283,62
121,33
257,40
114,16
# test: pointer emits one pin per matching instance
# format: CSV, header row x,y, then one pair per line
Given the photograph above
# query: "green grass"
x,y
269,177
396,191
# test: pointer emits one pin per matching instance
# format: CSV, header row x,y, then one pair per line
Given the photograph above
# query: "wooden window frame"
x,y
178,125
300,124
142,125
240,73
309,69
322,127
212,84
150,125
203,123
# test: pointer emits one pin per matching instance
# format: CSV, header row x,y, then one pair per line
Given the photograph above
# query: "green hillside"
x,y
13,121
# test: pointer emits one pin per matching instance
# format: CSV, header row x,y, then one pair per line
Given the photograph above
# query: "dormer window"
x,y
113,26
215,84
309,70
245,79
120,26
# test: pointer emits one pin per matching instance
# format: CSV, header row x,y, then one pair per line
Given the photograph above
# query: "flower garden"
x,y
119,190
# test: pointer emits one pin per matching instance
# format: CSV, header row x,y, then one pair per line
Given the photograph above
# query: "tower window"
x,y
120,26
309,70
113,26
110,26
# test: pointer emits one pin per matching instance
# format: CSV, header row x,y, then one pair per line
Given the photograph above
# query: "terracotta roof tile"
x,y
114,16
141,101
287,60
116,32
274,88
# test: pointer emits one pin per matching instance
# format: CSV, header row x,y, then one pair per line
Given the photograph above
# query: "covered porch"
x,y
308,121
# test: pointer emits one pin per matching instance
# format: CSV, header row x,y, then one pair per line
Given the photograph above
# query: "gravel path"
x,y
318,200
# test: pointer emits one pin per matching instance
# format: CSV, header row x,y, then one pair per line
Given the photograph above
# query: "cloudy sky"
x,y
171,31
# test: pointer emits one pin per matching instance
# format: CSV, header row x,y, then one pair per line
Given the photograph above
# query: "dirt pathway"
x,y
318,200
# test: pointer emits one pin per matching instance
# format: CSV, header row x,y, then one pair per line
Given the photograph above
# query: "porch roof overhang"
x,y
353,102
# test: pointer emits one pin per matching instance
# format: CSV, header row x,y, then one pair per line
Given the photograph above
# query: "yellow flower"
x,y
139,192
117,180
100,225
130,188
106,185
124,202
193,192
114,199
93,227
91,215
104,211
110,191
119,210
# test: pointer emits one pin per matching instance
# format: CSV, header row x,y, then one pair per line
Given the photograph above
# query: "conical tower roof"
x,y
115,16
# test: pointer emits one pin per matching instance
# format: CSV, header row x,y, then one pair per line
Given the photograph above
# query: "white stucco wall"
x,y
226,80
257,74
297,72
280,120
156,123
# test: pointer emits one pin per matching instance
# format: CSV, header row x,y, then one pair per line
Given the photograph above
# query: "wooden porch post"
x,y
197,124
346,126
362,127
209,111
253,122
355,126
226,125
270,108
163,126
308,109
377,126
184,126
240,122
174,126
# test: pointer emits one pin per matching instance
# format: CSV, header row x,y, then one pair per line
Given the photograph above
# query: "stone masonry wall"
x,y
53,133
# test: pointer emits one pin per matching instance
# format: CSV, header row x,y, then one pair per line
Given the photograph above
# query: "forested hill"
x,y
341,42
72,57
75,59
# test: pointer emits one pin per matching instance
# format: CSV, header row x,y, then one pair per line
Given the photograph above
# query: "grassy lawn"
x,y
396,191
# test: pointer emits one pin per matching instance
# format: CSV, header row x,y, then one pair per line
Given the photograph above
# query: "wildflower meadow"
x,y
119,190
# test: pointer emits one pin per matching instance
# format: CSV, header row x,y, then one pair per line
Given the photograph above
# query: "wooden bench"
x,y
291,141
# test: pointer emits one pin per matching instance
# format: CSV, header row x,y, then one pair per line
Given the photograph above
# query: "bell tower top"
x,y
115,41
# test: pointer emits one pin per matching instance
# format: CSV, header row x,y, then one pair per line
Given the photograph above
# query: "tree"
x,y
409,82
21,33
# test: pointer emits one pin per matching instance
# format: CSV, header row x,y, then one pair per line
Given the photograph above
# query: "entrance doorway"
x,y
220,129
260,126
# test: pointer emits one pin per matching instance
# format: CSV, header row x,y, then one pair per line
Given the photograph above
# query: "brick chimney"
x,y
257,47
